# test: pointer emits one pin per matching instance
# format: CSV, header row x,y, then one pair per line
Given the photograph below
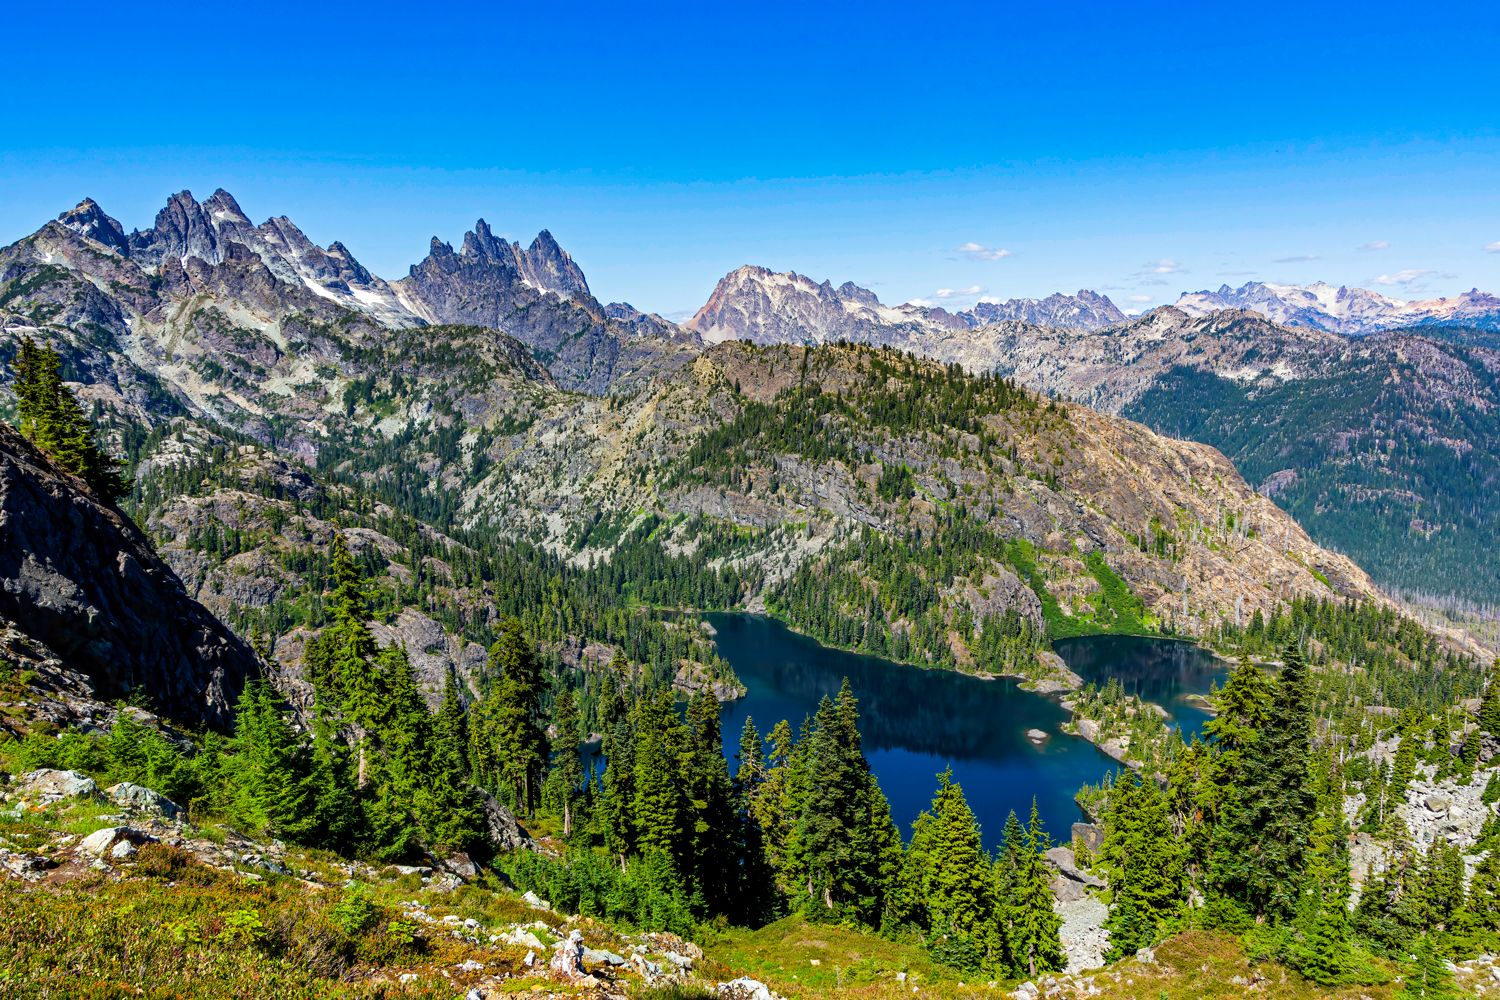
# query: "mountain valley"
x,y
402,564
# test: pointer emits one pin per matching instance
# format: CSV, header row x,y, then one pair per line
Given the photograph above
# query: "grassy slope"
x,y
1197,965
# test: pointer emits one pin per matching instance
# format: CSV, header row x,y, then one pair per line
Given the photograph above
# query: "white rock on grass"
x,y
107,841
745,988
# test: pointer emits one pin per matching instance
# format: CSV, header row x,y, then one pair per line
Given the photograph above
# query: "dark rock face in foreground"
x,y
79,577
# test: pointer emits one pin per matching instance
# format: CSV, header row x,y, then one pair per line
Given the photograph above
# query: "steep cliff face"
x,y
78,577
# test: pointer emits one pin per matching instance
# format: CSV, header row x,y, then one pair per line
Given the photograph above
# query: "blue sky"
x,y
1139,149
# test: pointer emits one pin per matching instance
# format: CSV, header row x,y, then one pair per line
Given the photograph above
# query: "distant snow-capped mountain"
x,y
1340,309
768,307
1087,310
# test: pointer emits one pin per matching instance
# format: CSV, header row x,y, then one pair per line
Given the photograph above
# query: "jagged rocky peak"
x,y
544,265
340,253
482,242
89,220
1084,310
547,265
183,229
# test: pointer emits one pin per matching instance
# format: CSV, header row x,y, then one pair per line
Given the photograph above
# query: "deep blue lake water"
x,y
917,722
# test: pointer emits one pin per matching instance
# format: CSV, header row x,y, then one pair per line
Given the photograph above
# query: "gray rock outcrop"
x,y
78,576
132,796
48,785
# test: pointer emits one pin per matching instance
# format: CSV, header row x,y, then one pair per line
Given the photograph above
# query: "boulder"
x,y
501,827
132,796
1090,835
105,841
567,960
1062,859
523,937
745,988
603,957
47,786
461,865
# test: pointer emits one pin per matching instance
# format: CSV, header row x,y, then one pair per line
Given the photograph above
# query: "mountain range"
x,y
490,389
1383,442
1339,309
488,411
764,306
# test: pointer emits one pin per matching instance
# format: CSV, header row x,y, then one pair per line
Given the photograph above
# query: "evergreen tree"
x,y
752,763
1241,709
1468,756
342,667
1324,953
1427,976
1261,841
715,829
614,815
452,725
658,805
513,730
1145,857
52,419
1008,866
773,809
567,764
333,809
1476,927
271,761
845,847
1489,707
1031,926
1405,765
946,883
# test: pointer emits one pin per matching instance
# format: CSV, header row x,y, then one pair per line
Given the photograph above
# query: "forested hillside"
x,y
1390,457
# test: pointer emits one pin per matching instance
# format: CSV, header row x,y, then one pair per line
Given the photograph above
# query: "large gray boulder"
x,y
501,826
47,785
139,799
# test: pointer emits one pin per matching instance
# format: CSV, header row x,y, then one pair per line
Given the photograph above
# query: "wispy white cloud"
x,y
1155,272
948,293
1403,277
1299,259
1375,245
1140,298
978,251
1492,247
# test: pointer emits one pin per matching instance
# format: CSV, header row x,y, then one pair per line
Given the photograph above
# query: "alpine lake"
x,y
917,722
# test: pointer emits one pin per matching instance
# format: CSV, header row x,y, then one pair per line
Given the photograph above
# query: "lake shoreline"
x,y
1059,679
